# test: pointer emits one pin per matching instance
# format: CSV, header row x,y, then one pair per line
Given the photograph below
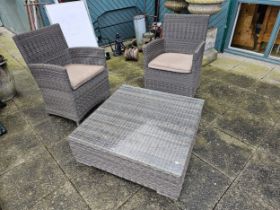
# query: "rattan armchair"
x,y
72,80
172,64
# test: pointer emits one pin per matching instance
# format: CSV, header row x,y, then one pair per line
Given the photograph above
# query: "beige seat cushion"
x,y
175,62
79,74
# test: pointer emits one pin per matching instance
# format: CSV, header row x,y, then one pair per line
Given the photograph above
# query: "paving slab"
x,y
11,108
224,152
16,149
236,199
261,107
273,77
63,155
64,198
267,90
219,96
272,141
213,73
225,63
232,56
260,180
14,123
208,116
35,114
253,70
222,91
203,186
54,130
28,98
24,82
24,185
12,64
148,199
6,42
105,192
255,61
244,126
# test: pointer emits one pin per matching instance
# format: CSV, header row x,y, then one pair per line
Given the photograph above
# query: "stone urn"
x,y
209,7
176,5
7,83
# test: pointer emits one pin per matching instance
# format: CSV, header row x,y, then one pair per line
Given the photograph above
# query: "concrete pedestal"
x,y
210,53
209,7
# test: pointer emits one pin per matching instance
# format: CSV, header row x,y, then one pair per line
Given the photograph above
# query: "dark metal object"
x,y
119,46
156,30
157,10
108,56
3,130
2,104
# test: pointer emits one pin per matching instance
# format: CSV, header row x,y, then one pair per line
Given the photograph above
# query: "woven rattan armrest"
x,y
198,53
152,50
51,76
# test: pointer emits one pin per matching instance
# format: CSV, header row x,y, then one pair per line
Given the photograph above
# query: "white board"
x,y
75,23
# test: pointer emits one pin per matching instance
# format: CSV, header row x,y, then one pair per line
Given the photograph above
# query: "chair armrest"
x,y
198,52
152,50
51,76
88,55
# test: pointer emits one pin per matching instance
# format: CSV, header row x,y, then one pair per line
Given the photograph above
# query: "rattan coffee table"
x,y
142,135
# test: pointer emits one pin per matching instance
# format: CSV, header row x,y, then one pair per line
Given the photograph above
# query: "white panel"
x,y
75,23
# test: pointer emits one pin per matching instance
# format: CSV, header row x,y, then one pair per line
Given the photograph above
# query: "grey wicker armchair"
x,y
172,64
72,80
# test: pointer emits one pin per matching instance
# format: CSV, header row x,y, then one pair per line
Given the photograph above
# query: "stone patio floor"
x,y
235,163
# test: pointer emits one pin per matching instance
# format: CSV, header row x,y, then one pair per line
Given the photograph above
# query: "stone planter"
x,y
205,1
204,9
176,5
7,83
208,7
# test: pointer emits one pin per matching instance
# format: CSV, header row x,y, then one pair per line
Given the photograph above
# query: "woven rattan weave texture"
x,y
181,34
46,53
142,135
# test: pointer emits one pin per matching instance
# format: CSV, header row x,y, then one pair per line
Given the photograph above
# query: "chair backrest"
x,y
46,45
183,32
